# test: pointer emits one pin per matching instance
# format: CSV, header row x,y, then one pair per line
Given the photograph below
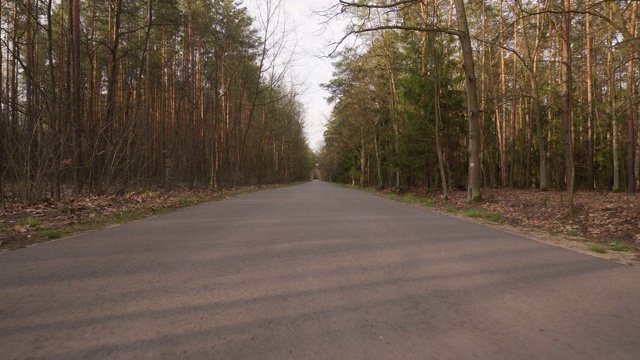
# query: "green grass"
x,y
451,209
617,245
31,222
394,196
409,198
200,198
483,214
597,249
474,213
427,202
366,189
574,233
126,216
188,201
52,234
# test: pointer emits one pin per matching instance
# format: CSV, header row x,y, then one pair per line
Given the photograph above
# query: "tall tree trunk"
x,y
514,112
395,113
501,121
611,107
566,102
436,106
536,113
104,178
191,137
4,138
147,127
378,160
436,96
30,109
590,103
632,109
475,167
76,99
54,106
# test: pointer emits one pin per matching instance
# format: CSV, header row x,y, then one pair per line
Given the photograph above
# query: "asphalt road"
x,y
313,272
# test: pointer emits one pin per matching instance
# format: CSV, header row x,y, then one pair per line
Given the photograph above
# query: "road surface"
x,y
313,272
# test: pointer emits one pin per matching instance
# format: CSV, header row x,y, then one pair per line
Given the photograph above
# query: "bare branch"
x,y
393,27
379,6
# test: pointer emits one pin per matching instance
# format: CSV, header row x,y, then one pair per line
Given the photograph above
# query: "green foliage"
x,y
379,133
474,213
31,222
52,234
409,198
427,202
127,216
451,209
188,201
394,196
196,199
617,245
598,249
483,214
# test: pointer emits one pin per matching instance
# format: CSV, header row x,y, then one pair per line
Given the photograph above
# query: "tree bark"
x,y
501,121
566,102
611,109
76,98
632,109
590,103
475,179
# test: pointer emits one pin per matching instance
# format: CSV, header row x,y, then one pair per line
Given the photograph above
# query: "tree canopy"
x,y
400,118
142,93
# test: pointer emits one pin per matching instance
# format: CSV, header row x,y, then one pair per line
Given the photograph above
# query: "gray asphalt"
x,y
313,272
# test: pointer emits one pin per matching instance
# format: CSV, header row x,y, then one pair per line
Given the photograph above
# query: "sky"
x,y
308,43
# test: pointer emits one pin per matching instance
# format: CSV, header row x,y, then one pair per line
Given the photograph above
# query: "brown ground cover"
x,y
603,219
23,224
599,215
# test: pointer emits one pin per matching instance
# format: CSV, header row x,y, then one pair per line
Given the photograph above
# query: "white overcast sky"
x,y
309,41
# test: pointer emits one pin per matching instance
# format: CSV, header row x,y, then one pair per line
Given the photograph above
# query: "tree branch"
x,y
378,6
394,27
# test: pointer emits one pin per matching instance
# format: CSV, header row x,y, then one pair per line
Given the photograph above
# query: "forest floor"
x,y
603,224
25,224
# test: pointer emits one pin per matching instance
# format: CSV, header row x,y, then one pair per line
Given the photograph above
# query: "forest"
x,y
541,94
102,97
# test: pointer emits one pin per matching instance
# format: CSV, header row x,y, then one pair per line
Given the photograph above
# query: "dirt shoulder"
x,y
25,224
604,224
